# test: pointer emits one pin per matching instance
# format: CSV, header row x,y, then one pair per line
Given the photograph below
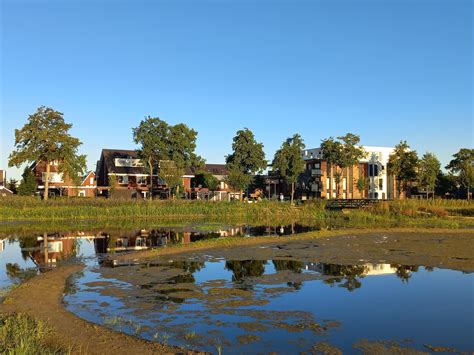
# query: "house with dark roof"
x,y
133,178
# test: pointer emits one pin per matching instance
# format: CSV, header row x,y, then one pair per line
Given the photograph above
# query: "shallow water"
x,y
250,306
285,306
24,256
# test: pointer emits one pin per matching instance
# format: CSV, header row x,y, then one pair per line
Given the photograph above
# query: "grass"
x,y
63,213
22,334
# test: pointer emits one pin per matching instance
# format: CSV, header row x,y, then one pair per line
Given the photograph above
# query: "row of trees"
x,y
426,172
168,150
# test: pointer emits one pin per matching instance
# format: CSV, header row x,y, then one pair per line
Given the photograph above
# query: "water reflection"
x,y
264,305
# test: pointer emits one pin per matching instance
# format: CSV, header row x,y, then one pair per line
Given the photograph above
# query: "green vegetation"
x,y
28,183
247,159
21,334
166,149
72,214
403,165
341,154
45,138
462,165
428,170
288,161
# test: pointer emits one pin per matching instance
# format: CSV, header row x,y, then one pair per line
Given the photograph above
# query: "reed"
x,y
22,334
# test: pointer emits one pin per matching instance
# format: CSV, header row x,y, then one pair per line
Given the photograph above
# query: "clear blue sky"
x,y
385,69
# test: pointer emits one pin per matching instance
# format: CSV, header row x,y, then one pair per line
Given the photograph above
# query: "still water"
x,y
251,306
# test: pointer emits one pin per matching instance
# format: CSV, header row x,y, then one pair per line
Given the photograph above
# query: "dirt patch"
x,y
450,249
47,290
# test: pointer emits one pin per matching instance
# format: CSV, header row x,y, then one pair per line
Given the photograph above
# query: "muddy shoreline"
x,y
448,249
41,298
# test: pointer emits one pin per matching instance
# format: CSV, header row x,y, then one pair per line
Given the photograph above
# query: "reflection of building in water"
x,y
3,244
363,269
56,248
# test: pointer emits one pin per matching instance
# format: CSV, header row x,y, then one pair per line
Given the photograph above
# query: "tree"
x,y
160,141
237,180
152,136
463,167
113,182
45,138
289,162
403,163
247,159
171,174
362,184
12,185
428,170
206,179
341,154
28,183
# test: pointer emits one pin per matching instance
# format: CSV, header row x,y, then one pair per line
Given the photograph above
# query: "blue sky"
x,y
385,69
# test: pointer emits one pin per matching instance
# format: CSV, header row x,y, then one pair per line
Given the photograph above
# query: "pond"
x,y
238,302
24,256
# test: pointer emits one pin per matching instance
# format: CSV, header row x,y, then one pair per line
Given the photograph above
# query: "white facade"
x,y
377,159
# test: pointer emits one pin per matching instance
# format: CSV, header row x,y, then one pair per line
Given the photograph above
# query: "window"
x,y
123,180
141,180
380,184
317,165
91,181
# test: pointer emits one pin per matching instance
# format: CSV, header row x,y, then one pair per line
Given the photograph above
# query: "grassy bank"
x,y
22,334
87,213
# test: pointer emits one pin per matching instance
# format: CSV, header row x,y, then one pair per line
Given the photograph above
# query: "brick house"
x,y
317,180
62,185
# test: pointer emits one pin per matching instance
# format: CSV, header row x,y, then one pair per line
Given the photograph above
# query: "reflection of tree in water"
x,y
292,265
188,266
28,243
344,275
404,271
17,274
245,268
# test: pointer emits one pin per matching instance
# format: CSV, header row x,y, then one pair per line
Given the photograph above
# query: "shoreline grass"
x,y
25,214
23,334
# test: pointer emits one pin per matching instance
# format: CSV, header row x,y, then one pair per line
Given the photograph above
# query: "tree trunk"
x,y
150,189
468,197
240,195
46,182
292,192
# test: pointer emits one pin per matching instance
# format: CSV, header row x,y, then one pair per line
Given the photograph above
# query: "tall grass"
x,y
81,212
22,334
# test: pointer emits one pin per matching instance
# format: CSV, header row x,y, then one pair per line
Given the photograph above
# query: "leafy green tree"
x,y
428,170
28,183
362,184
403,164
246,159
445,184
237,180
113,182
342,154
206,179
171,174
289,162
45,138
152,137
462,165
12,185
160,141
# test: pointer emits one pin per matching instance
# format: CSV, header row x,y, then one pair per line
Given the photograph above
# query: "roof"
x,y
216,169
110,154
